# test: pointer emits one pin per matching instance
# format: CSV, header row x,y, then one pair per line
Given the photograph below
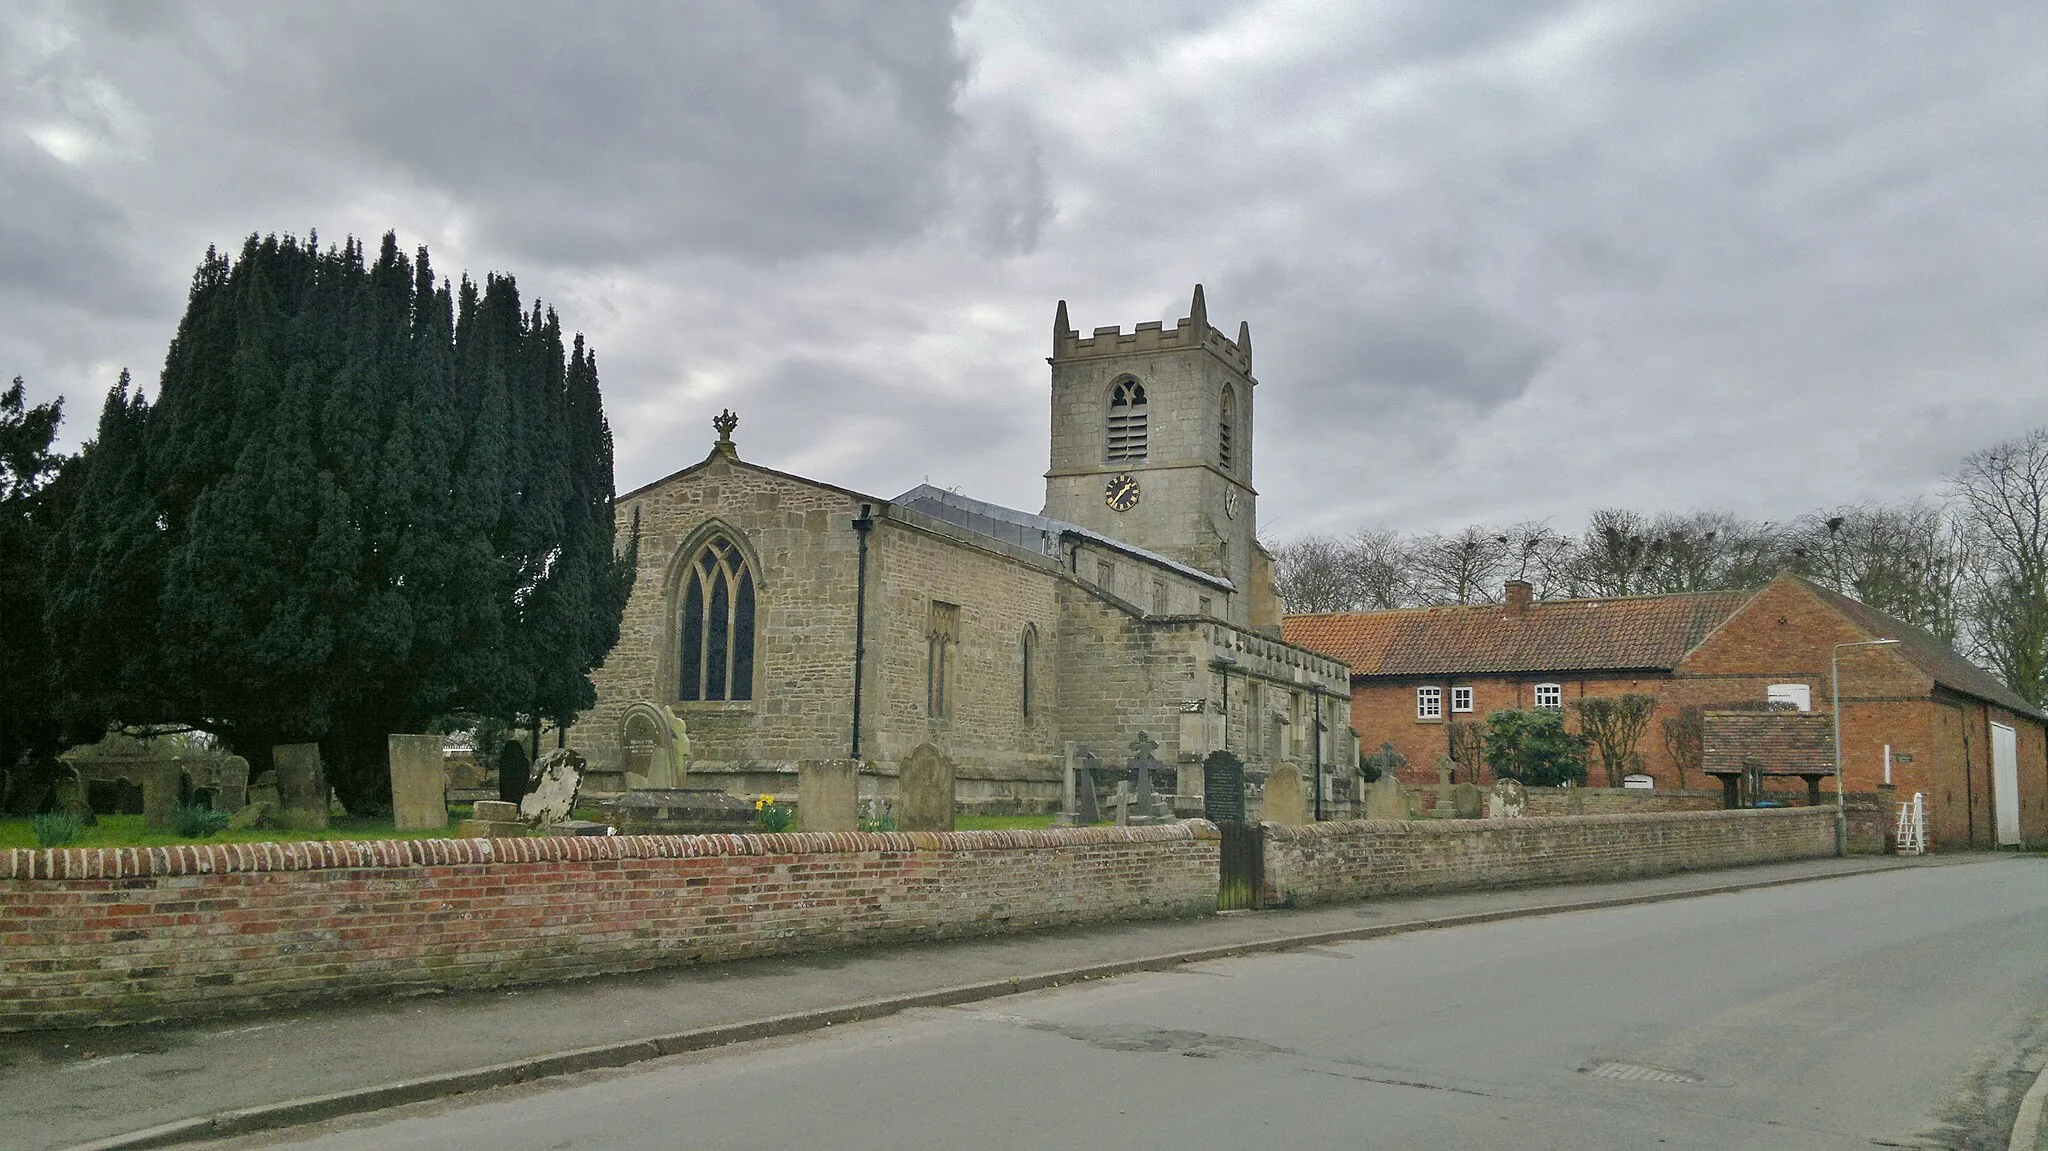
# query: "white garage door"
x,y
2005,782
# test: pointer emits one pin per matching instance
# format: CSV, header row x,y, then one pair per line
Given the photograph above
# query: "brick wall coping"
x,y
216,858
1337,829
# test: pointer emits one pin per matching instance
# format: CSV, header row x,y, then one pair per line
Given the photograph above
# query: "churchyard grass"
x,y
1039,822
127,831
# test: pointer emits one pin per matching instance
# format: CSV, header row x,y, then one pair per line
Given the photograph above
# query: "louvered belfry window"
x,y
1223,431
1127,423
717,625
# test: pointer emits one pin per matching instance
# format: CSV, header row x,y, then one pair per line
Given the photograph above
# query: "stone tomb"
x,y
492,819
1286,796
301,786
679,811
419,782
828,795
924,790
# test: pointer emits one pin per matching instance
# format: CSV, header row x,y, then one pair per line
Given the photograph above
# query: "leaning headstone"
x,y
554,793
1286,798
70,797
1508,800
1384,799
828,795
1087,795
231,784
419,782
262,808
1467,801
924,785
301,786
1223,788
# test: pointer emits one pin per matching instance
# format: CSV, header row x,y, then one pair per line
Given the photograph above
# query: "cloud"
x,y
1501,260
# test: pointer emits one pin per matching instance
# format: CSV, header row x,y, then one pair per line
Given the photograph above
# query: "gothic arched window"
x,y
1030,652
1223,430
1126,427
716,625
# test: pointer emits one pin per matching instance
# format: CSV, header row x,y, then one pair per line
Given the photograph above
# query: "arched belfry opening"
x,y
1127,432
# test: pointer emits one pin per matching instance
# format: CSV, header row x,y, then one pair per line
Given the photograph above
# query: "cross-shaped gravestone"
x,y
1142,767
1122,802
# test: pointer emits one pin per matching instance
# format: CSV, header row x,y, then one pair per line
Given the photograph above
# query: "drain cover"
x,y
1637,1073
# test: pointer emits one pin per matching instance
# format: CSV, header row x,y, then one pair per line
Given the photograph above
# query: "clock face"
x,y
1122,493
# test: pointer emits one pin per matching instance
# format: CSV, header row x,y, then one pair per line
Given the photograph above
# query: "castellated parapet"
x,y
1190,331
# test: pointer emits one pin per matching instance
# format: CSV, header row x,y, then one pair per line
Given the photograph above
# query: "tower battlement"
x,y
1190,331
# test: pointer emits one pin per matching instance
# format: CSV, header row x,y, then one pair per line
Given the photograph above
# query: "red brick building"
x,y
1977,751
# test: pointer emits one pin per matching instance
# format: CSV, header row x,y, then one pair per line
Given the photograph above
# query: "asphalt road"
x,y
1899,1009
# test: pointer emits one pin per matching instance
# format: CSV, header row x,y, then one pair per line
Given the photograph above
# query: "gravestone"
x,y
554,792
301,786
1508,800
162,780
263,805
828,795
231,784
679,811
70,796
1150,808
924,786
654,744
1087,795
464,774
512,771
419,782
1385,799
1121,799
1222,788
1467,801
1286,798
1385,761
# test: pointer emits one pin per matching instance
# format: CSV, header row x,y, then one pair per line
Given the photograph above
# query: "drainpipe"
x,y
1315,736
861,527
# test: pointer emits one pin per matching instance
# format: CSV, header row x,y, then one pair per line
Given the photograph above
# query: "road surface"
x,y
1907,1008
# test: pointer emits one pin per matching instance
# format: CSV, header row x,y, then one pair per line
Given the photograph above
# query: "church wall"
x,y
1152,589
802,539
1003,756
1120,676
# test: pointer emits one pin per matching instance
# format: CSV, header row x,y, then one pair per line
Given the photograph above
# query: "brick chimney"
x,y
1519,596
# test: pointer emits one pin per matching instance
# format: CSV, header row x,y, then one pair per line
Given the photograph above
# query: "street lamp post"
x,y
1835,688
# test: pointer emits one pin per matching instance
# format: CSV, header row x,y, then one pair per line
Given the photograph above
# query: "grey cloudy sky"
x,y
1501,260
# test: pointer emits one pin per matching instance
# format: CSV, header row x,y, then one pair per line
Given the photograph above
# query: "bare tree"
x,y
1466,567
2001,494
1685,737
1380,569
1313,575
1910,560
1614,724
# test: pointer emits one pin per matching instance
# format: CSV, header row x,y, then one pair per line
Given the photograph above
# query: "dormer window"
x,y
1127,427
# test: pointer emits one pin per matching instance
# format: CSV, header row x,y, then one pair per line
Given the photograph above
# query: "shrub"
x,y
1533,746
197,821
57,828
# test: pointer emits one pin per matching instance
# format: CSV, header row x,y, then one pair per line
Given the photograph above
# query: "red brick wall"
x,y
1355,859
126,934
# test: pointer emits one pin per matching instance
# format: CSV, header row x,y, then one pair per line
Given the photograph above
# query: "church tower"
x,y
1152,441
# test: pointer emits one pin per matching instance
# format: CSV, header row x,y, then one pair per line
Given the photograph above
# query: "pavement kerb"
x,y
361,1100
2026,1126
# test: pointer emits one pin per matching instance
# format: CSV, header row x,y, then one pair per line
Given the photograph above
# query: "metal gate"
x,y
1244,865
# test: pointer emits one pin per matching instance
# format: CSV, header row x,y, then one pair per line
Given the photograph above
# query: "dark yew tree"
x,y
31,723
346,513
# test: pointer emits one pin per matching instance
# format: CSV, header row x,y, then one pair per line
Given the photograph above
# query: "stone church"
x,y
786,619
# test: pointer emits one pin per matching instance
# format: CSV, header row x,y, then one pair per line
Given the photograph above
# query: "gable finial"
x,y
725,421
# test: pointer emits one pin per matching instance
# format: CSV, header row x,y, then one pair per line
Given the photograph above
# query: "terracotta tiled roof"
x,y
1937,660
1775,742
1627,633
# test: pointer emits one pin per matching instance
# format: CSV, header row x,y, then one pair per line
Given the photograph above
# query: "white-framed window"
x,y
1550,695
1429,703
1797,696
1461,699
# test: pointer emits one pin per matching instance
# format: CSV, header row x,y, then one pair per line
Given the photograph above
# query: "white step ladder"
x,y
1912,833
